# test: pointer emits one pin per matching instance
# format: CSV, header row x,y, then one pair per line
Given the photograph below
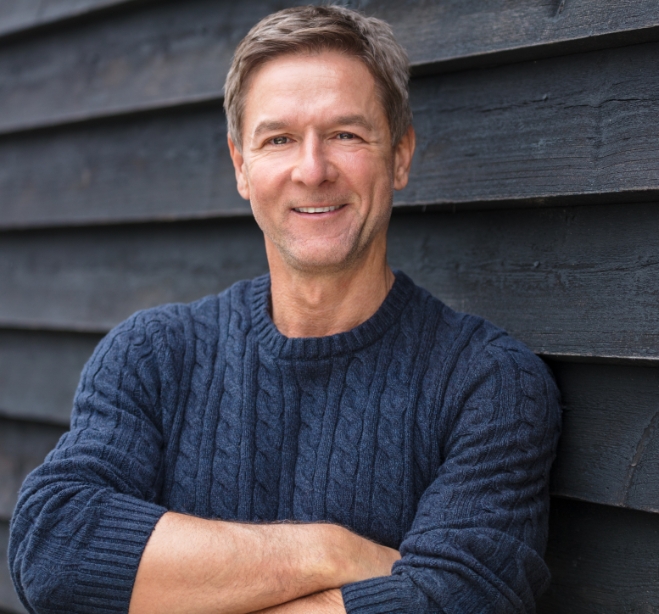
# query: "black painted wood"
x,y
25,15
161,54
39,372
23,447
562,131
162,166
580,281
609,448
456,34
89,279
171,53
603,560
9,602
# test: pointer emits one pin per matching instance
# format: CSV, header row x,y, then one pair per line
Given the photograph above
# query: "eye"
x,y
345,136
279,140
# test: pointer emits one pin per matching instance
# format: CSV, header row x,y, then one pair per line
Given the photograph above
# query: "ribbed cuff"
x,y
109,564
383,595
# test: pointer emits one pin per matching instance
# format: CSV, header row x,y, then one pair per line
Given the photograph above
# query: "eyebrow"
x,y
342,120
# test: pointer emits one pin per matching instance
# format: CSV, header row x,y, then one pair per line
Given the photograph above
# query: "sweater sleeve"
x,y
478,537
83,518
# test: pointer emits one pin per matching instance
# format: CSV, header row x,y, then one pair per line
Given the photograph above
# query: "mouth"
x,y
318,209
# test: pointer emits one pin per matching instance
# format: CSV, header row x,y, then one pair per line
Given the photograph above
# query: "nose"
x,y
313,167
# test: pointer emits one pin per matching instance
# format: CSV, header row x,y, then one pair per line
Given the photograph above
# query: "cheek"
x,y
366,171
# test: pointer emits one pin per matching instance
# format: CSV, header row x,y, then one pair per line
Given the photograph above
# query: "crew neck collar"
x,y
332,345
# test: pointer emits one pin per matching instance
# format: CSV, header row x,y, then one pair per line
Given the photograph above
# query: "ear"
x,y
403,158
239,167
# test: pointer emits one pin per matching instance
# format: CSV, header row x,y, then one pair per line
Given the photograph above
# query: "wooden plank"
x,y
602,560
39,372
456,34
9,602
164,166
163,54
580,281
609,448
23,447
24,15
562,131
171,53
89,279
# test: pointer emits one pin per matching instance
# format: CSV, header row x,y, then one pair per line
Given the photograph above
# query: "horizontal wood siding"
x,y
532,133
458,34
39,372
51,285
602,560
25,15
9,601
548,275
172,165
609,449
534,201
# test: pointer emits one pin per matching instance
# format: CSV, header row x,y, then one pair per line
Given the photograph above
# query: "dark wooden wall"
x,y
533,203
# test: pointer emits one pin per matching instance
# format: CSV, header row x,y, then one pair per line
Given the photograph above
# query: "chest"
x,y
329,440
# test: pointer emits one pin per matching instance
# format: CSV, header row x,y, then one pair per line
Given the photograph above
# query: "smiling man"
x,y
327,438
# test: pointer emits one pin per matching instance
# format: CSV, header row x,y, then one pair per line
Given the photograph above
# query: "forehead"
x,y
317,84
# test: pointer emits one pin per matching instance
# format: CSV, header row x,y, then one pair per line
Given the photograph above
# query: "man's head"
x,y
310,30
320,134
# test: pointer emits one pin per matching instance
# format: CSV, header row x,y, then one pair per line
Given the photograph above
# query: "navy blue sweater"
x,y
424,429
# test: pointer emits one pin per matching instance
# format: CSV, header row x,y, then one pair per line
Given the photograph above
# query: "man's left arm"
x,y
478,537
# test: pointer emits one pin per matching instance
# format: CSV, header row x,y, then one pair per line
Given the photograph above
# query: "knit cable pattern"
x,y
424,429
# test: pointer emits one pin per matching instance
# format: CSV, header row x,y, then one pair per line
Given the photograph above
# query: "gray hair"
x,y
312,29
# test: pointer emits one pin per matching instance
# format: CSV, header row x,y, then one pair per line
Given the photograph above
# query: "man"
x,y
329,438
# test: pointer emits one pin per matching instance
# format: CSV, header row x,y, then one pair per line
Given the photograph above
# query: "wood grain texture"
x,y
580,281
169,53
89,279
160,54
456,34
24,15
23,447
562,131
9,602
609,448
39,373
171,166
602,559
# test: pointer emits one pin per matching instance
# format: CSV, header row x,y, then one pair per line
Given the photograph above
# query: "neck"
x,y
308,304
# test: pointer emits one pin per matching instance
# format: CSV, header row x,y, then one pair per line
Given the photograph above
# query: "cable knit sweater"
x,y
424,429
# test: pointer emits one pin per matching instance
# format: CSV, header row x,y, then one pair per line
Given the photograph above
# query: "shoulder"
x,y
475,352
167,332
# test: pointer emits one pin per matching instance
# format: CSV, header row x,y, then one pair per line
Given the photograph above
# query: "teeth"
x,y
317,209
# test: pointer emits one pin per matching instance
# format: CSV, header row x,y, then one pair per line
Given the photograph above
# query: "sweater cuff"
x,y
386,594
109,563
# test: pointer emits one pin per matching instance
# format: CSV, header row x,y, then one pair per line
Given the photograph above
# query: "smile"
x,y
317,209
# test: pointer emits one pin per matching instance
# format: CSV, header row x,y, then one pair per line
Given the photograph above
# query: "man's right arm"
x,y
88,533
196,566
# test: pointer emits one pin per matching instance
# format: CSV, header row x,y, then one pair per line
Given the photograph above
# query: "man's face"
x,y
317,162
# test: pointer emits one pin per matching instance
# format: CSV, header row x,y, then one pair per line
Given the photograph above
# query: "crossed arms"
x,y
196,566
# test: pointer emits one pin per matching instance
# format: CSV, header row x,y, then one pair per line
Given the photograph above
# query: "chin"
x,y
331,261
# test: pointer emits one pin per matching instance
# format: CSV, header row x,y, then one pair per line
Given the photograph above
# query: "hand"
x,y
327,602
